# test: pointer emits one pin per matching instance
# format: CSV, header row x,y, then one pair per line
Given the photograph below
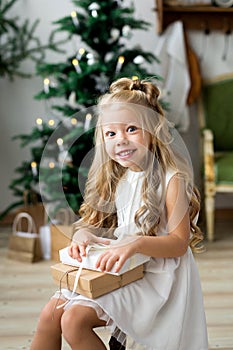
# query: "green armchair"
x,y
216,119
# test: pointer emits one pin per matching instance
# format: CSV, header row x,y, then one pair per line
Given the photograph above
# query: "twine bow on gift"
x,y
78,274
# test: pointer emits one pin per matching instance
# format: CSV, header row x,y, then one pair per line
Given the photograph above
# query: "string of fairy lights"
x,y
47,83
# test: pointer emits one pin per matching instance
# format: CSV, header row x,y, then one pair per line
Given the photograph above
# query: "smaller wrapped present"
x,y
92,283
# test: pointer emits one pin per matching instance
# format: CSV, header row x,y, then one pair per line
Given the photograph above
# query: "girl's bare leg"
x,y
48,332
77,327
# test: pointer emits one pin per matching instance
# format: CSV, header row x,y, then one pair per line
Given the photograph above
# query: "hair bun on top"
x,y
151,92
137,85
127,84
120,84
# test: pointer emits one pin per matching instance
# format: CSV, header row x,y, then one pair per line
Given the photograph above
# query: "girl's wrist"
x,y
74,238
137,244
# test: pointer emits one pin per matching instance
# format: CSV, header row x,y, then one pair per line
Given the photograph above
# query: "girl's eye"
x,y
110,133
131,128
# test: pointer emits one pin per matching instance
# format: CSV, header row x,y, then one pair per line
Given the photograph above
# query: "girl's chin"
x,y
130,165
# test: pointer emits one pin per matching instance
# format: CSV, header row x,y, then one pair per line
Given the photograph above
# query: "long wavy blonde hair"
x,y
166,153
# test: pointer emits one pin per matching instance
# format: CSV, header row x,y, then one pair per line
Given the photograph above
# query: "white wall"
x,y
19,109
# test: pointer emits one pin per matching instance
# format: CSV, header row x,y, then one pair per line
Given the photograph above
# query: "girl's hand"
x,y
81,240
116,254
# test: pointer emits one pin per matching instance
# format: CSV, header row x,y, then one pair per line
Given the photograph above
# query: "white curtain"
x,y
173,68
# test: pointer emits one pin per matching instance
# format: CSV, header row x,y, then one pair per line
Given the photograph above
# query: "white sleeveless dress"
x,y
162,311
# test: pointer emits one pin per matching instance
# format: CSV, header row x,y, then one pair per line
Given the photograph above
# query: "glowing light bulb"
x,y
51,122
39,123
74,18
87,121
73,121
120,61
76,65
51,165
81,52
46,85
34,168
60,144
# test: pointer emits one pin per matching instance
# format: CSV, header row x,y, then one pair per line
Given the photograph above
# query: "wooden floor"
x,y
25,288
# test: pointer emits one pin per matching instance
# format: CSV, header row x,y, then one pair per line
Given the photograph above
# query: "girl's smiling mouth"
x,y
125,153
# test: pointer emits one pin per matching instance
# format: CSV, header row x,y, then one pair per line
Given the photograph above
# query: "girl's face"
x,y
125,140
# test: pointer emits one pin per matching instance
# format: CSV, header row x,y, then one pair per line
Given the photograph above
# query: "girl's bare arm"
x,y
173,244
176,242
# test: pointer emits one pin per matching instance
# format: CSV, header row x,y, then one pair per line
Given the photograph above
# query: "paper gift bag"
x,y
24,246
61,236
35,209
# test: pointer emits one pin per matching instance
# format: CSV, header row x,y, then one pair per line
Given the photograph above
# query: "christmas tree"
x,y
62,144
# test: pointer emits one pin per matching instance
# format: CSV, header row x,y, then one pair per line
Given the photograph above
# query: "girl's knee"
x,y
77,320
71,318
77,325
50,316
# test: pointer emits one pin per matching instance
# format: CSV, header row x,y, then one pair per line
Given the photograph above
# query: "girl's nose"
x,y
122,140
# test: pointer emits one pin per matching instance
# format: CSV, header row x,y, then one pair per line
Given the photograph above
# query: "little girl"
x,y
139,189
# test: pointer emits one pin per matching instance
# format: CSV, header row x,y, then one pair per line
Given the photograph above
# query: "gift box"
x,y
94,251
93,283
61,236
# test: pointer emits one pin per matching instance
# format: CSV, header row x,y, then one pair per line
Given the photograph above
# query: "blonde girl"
x,y
140,191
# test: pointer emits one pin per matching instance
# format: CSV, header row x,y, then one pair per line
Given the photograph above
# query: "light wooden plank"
x,y
25,288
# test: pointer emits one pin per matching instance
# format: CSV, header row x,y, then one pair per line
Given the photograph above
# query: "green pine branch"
x,y
18,42
35,135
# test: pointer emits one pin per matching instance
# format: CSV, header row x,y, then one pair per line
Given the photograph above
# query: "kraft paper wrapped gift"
x,y
92,283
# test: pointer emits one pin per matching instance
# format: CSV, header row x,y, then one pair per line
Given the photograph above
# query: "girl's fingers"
x,y
82,249
106,261
120,264
111,262
101,261
73,251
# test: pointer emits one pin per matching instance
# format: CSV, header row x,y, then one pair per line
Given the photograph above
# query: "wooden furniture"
x,y
202,17
216,121
115,345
